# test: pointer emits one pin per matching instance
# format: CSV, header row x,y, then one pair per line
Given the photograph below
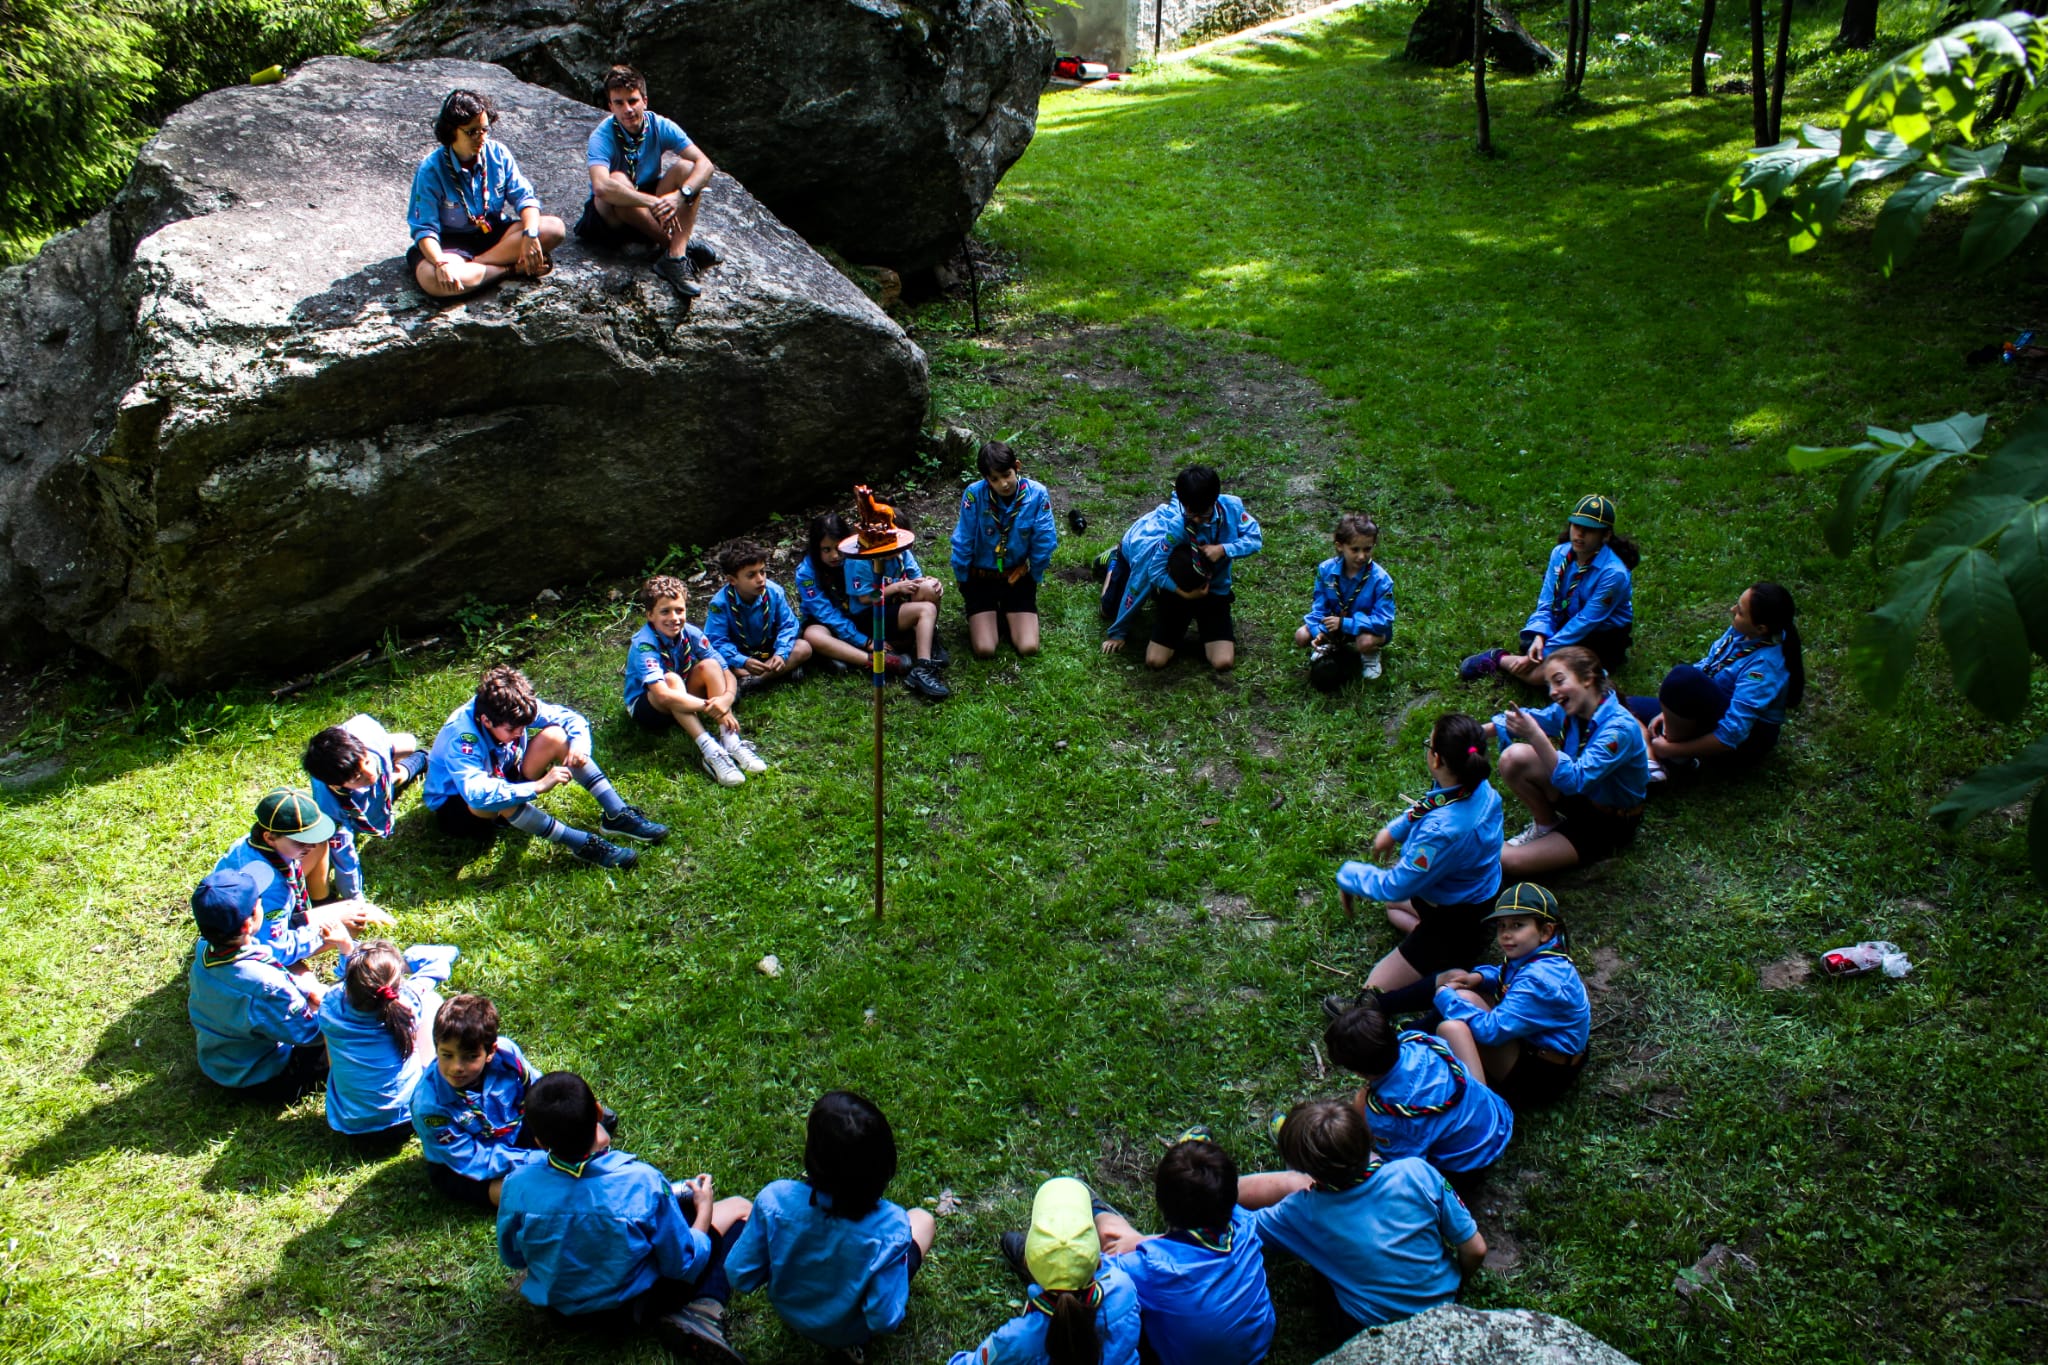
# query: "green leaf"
x,y
1898,498
1965,521
1881,652
2037,838
2002,221
1986,640
1805,459
1840,527
1905,213
1957,435
1761,180
2021,465
1999,784
2023,559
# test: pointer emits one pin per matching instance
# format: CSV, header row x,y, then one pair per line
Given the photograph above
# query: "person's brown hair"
x,y
660,586
1356,526
505,697
375,972
623,77
737,554
1584,665
469,1021
1326,1140
459,108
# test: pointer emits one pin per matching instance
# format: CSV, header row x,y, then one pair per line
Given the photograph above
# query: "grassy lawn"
x,y
1111,908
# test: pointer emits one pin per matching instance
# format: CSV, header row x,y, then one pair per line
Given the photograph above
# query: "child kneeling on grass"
x,y
291,834
257,1024
358,769
836,1256
750,622
1525,1024
1202,1284
1419,1099
1351,615
675,677
1388,1234
599,1232
379,1031
1204,521
1080,1308
1002,546
467,1108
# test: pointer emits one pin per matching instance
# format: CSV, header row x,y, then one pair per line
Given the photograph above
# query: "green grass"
x,y
1110,890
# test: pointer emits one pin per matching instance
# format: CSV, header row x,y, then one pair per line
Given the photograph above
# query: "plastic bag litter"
x,y
1866,957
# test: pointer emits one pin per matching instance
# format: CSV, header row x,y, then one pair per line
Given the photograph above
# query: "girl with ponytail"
x,y
1079,1309
1578,764
1727,709
380,1039
1445,851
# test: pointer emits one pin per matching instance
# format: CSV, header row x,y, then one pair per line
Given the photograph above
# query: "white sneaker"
x,y
1657,773
742,753
1531,834
726,772
1369,665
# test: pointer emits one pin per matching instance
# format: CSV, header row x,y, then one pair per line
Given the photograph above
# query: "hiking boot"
x,y
894,663
1369,665
1657,773
695,1333
1335,1007
1531,834
742,753
702,254
940,658
1012,1246
924,681
631,824
1194,1132
721,767
603,854
1484,664
680,274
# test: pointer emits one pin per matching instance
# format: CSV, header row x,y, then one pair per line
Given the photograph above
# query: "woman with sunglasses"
x,y
474,217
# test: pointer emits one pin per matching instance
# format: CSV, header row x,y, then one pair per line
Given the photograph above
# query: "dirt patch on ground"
x,y
1123,1160
1220,774
1787,973
1606,965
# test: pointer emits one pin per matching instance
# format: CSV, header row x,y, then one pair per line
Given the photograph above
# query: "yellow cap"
x,y
1062,1251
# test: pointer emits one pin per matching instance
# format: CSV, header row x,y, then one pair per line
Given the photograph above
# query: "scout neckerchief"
x,y
1094,1293
1510,970
570,1168
630,150
217,957
300,902
476,1106
737,610
1727,653
1389,1109
1340,1186
1568,575
479,216
1004,523
1343,602
1438,799
1212,1239
358,803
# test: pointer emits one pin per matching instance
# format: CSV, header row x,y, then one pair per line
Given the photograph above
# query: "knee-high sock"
x,y
1410,999
598,785
537,822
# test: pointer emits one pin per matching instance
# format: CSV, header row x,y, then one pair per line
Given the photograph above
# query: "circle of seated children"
x,y
647,181
1351,614
1177,558
1587,598
466,196
1727,710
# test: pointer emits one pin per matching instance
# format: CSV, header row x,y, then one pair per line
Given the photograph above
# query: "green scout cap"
x,y
292,813
1062,1251
1594,511
1525,898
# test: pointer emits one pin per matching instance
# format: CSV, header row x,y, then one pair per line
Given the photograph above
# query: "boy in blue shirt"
x,y
1202,1284
1418,1097
358,769
467,1109
751,623
290,836
1388,1234
1351,615
258,1025
675,677
647,181
1002,546
1525,1024
601,1232
504,747
1215,526
910,611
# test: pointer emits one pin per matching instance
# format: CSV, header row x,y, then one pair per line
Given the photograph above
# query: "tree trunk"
x,y
1778,72
1479,33
1571,42
1759,83
1585,40
1699,48
1859,24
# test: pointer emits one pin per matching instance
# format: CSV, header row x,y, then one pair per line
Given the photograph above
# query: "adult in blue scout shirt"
x,y
1079,1305
258,1025
1727,709
599,1232
831,625
289,834
467,196
1200,514
358,770
1525,1024
910,611
675,679
1587,598
1580,765
750,622
468,1107
1442,883
1002,545
647,181
1351,614
504,747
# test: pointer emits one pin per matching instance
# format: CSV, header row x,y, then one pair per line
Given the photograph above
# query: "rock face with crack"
x,y
878,127
1451,1334
234,438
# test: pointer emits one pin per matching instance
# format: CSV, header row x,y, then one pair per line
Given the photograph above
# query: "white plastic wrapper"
x,y
1888,958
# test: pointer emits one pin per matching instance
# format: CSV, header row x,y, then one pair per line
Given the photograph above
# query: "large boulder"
x,y
878,127
1442,36
234,438
1451,1334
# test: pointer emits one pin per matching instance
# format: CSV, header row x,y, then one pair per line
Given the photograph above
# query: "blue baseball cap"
x,y
223,903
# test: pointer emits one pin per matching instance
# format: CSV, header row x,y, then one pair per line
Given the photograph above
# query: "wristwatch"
x,y
690,196
532,232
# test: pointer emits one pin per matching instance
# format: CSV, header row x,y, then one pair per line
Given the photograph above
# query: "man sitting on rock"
x,y
646,180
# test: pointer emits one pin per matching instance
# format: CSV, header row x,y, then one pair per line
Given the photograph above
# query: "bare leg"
x,y
923,1229
667,696
799,653
1264,1189
1402,916
1303,637
1222,655
1459,1039
1391,973
1024,631
831,646
1157,655
1116,1233
314,867
1548,854
923,618
1522,773
981,634
544,749
728,1211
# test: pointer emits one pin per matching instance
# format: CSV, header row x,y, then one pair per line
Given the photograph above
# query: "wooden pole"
x,y
880,664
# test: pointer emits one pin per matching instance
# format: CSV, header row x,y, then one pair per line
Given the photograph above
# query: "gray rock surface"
x,y
1451,1334
878,127
1442,36
235,439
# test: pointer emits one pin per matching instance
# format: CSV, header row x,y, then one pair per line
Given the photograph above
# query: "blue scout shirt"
x,y
835,1281
998,536
281,892
1366,602
864,575
1386,1245
1604,759
1578,599
1021,1340
474,1132
1203,1302
650,655
1751,673
248,1012
594,1234
1450,851
740,631
1542,1002
1151,539
369,1082
446,195
467,765
639,158
821,593
367,811
1427,1107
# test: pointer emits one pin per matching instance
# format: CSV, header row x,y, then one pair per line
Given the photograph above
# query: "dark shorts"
x,y
1612,646
667,1296
1595,833
1447,936
892,618
1537,1081
302,1075
465,246
648,716
987,591
594,230
916,1260
381,1142
1689,694
461,1188
1172,614
452,817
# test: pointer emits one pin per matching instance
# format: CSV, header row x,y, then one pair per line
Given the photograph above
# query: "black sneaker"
x,y
922,680
631,824
1335,1007
1012,1246
940,658
695,1333
703,255
597,851
680,274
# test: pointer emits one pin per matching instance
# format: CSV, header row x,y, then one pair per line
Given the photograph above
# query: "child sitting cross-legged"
x,y
1388,1234
1525,1024
674,677
379,1031
751,623
358,769
1419,1099
467,1108
601,1234
257,1024
1201,1284
1079,1308
836,1256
